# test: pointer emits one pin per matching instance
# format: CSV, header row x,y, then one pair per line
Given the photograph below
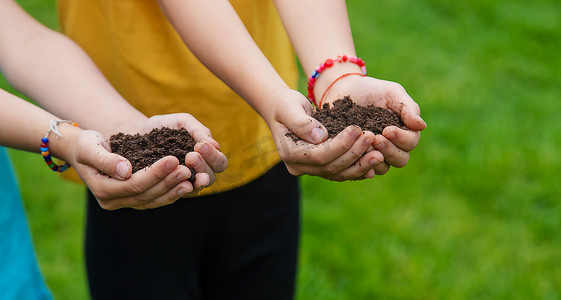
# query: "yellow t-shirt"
x,y
144,58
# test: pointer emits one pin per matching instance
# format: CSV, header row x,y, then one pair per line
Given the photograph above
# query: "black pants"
x,y
240,244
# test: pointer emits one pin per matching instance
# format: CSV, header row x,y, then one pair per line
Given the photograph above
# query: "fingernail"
x,y
170,165
204,149
182,191
380,146
317,135
122,169
374,162
213,143
181,177
196,162
370,174
390,135
368,141
356,133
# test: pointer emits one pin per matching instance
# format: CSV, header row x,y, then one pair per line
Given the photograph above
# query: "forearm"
x,y
24,124
319,30
214,33
58,74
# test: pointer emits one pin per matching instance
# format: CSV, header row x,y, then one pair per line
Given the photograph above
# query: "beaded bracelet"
x,y
45,146
327,64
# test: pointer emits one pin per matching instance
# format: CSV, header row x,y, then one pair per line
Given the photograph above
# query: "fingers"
x,y
179,191
363,168
143,186
166,192
381,168
93,151
304,126
406,107
349,165
109,175
198,131
370,174
141,193
358,148
202,180
392,154
214,158
406,140
142,180
196,161
412,119
305,153
200,134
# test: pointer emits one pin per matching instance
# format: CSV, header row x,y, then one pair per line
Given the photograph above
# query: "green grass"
x,y
475,214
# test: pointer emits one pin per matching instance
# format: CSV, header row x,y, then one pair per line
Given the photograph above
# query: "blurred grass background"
x,y
475,214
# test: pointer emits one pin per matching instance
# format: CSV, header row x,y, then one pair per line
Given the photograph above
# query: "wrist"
x,y
331,74
329,71
333,87
285,102
265,98
278,98
129,124
62,146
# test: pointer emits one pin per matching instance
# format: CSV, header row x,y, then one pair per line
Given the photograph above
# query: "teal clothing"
x,y
20,277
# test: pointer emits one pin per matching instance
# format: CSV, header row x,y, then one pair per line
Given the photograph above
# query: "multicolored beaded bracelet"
x,y
327,64
45,146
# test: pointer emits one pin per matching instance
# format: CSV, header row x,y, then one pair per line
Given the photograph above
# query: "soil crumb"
x,y
144,150
345,113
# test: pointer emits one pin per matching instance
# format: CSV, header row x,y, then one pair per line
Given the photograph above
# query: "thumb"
x,y
408,110
304,126
412,119
93,151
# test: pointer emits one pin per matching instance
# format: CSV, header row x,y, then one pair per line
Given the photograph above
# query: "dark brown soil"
x,y
144,150
345,113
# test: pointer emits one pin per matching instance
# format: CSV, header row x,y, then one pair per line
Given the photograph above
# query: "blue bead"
x,y
45,140
315,74
44,149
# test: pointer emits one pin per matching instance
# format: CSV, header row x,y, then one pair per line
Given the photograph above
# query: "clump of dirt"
x,y
144,150
345,113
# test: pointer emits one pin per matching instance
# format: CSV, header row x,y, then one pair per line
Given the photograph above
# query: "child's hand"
x,y
206,159
394,143
108,175
340,158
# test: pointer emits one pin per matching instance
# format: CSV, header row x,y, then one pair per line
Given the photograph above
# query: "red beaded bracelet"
x,y
45,146
327,64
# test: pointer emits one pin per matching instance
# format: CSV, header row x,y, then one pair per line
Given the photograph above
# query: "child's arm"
x,y
24,125
56,73
320,30
216,35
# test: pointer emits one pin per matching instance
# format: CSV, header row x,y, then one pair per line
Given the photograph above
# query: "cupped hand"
x,y
344,157
394,143
109,177
206,159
